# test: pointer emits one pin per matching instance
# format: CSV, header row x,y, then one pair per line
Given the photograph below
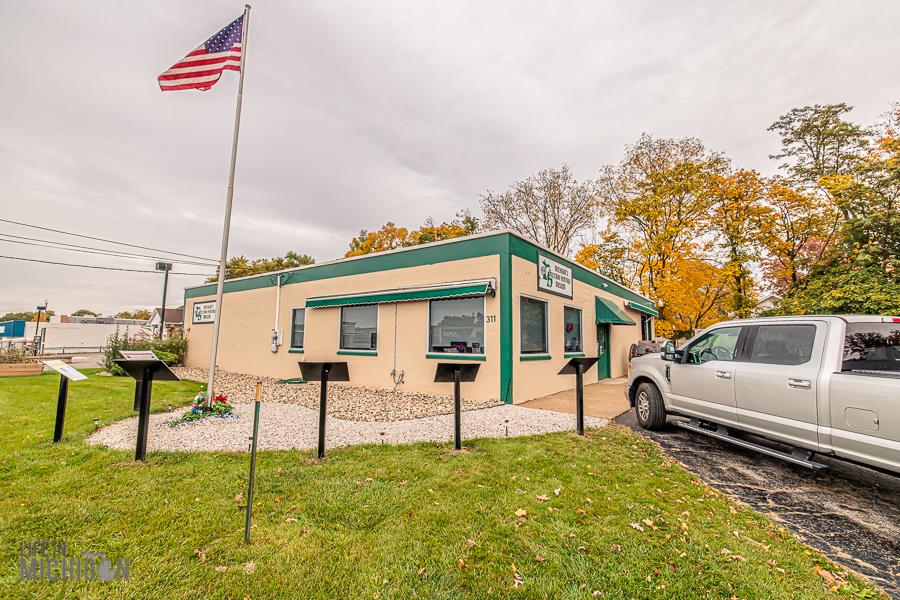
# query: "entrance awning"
x,y
608,312
644,308
455,289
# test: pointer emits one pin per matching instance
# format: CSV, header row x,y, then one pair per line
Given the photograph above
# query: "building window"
x,y
456,326
359,327
298,320
533,332
573,329
646,328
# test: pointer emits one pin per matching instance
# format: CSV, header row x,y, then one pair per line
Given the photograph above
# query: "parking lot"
x,y
850,513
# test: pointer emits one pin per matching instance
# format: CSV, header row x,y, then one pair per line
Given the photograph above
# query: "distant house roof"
x,y
173,316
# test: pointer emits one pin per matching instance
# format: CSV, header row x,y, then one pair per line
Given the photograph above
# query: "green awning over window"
x,y
460,289
646,308
608,312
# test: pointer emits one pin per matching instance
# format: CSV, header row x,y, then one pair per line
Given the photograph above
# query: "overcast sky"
x,y
356,113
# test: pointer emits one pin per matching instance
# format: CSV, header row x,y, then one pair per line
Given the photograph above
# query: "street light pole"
x,y
161,266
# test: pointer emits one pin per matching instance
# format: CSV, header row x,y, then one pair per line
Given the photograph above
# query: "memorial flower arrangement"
x,y
198,410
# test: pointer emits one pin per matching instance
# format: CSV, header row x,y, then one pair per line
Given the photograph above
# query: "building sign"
x,y
554,277
204,312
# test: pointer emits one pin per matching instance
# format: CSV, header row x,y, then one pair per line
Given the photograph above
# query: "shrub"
x,y
114,343
12,357
167,357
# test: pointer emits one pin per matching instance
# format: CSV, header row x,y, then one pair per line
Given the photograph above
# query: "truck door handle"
x,y
723,375
800,384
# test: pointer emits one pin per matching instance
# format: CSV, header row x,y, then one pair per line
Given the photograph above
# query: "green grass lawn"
x,y
379,521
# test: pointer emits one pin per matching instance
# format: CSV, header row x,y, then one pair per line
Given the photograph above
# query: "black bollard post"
x,y
140,452
457,443
252,463
579,397
323,394
61,407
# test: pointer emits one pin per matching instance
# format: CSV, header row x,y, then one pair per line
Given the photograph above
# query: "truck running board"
x,y
800,456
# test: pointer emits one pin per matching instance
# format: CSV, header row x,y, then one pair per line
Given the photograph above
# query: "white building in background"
x,y
174,319
768,303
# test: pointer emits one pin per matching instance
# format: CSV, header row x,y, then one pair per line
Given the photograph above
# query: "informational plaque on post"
x,y
65,369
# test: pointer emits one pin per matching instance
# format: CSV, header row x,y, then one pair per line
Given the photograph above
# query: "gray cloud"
x,y
356,113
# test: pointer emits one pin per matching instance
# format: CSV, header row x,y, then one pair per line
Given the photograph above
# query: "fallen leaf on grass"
x,y
636,526
616,548
304,532
826,575
220,569
520,512
539,558
367,479
597,594
201,555
249,568
541,498
290,520
582,547
471,542
430,491
420,571
461,564
581,511
238,497
557,491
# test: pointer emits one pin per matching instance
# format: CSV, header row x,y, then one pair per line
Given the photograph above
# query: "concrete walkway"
x,y
604,399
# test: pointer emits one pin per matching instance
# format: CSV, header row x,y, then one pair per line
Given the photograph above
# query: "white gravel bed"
x,y
283,426
344,401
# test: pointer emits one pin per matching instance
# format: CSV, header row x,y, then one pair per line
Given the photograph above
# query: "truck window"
x,y
872,349
718,344
783,344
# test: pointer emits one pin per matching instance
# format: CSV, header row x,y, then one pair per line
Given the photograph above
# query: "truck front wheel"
x,y
649,406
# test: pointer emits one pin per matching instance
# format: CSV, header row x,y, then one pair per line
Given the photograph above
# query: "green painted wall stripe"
x,y
426,254
451,356
506,327
356,353
538,357
399,296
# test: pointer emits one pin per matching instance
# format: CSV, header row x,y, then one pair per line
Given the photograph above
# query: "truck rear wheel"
x,y
649,407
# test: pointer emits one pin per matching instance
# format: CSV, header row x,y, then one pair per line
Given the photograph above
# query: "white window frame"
x,y
291,345
341,328
547,327
581,310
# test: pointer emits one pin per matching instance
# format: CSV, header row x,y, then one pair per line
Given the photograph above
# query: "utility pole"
x,y
161,266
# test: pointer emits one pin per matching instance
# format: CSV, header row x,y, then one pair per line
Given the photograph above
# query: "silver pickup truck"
x,y
820,384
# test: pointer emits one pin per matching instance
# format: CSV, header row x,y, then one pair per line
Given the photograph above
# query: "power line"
x,y
89,250
107,241
50,262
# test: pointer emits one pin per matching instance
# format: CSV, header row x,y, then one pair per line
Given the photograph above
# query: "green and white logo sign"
x,y
204,312
554,277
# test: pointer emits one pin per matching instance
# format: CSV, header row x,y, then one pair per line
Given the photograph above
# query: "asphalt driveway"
x,y
849,513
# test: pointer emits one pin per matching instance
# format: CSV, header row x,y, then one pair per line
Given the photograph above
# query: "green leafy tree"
x,y
241,266
28,315
390,237
84,313
138,313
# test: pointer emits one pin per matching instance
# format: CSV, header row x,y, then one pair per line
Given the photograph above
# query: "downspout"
x,y
394,378
275,332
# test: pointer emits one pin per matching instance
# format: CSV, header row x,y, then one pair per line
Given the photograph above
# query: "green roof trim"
x,y
400,295
608,312
642,307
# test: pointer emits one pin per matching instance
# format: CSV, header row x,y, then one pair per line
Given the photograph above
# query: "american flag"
x,y
201,69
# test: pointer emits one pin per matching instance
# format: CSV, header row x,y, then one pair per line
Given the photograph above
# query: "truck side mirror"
x,y
668,351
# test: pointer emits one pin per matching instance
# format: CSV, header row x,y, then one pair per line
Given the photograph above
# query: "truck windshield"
x,y
872,348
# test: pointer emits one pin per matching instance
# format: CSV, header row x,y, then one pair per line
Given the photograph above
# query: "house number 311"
x,y
490,319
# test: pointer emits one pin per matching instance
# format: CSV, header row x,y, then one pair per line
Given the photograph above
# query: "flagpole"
x,y
223,257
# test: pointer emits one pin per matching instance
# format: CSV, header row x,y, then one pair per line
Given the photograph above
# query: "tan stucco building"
x,y
496,299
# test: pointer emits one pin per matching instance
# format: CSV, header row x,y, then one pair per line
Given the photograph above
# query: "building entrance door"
x,y
603,368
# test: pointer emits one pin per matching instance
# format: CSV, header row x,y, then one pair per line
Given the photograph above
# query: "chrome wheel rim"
x,y
643,407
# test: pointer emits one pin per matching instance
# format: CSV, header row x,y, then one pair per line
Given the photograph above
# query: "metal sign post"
x,y
456,372
578,366
66,372
145,370
253,442
323,371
